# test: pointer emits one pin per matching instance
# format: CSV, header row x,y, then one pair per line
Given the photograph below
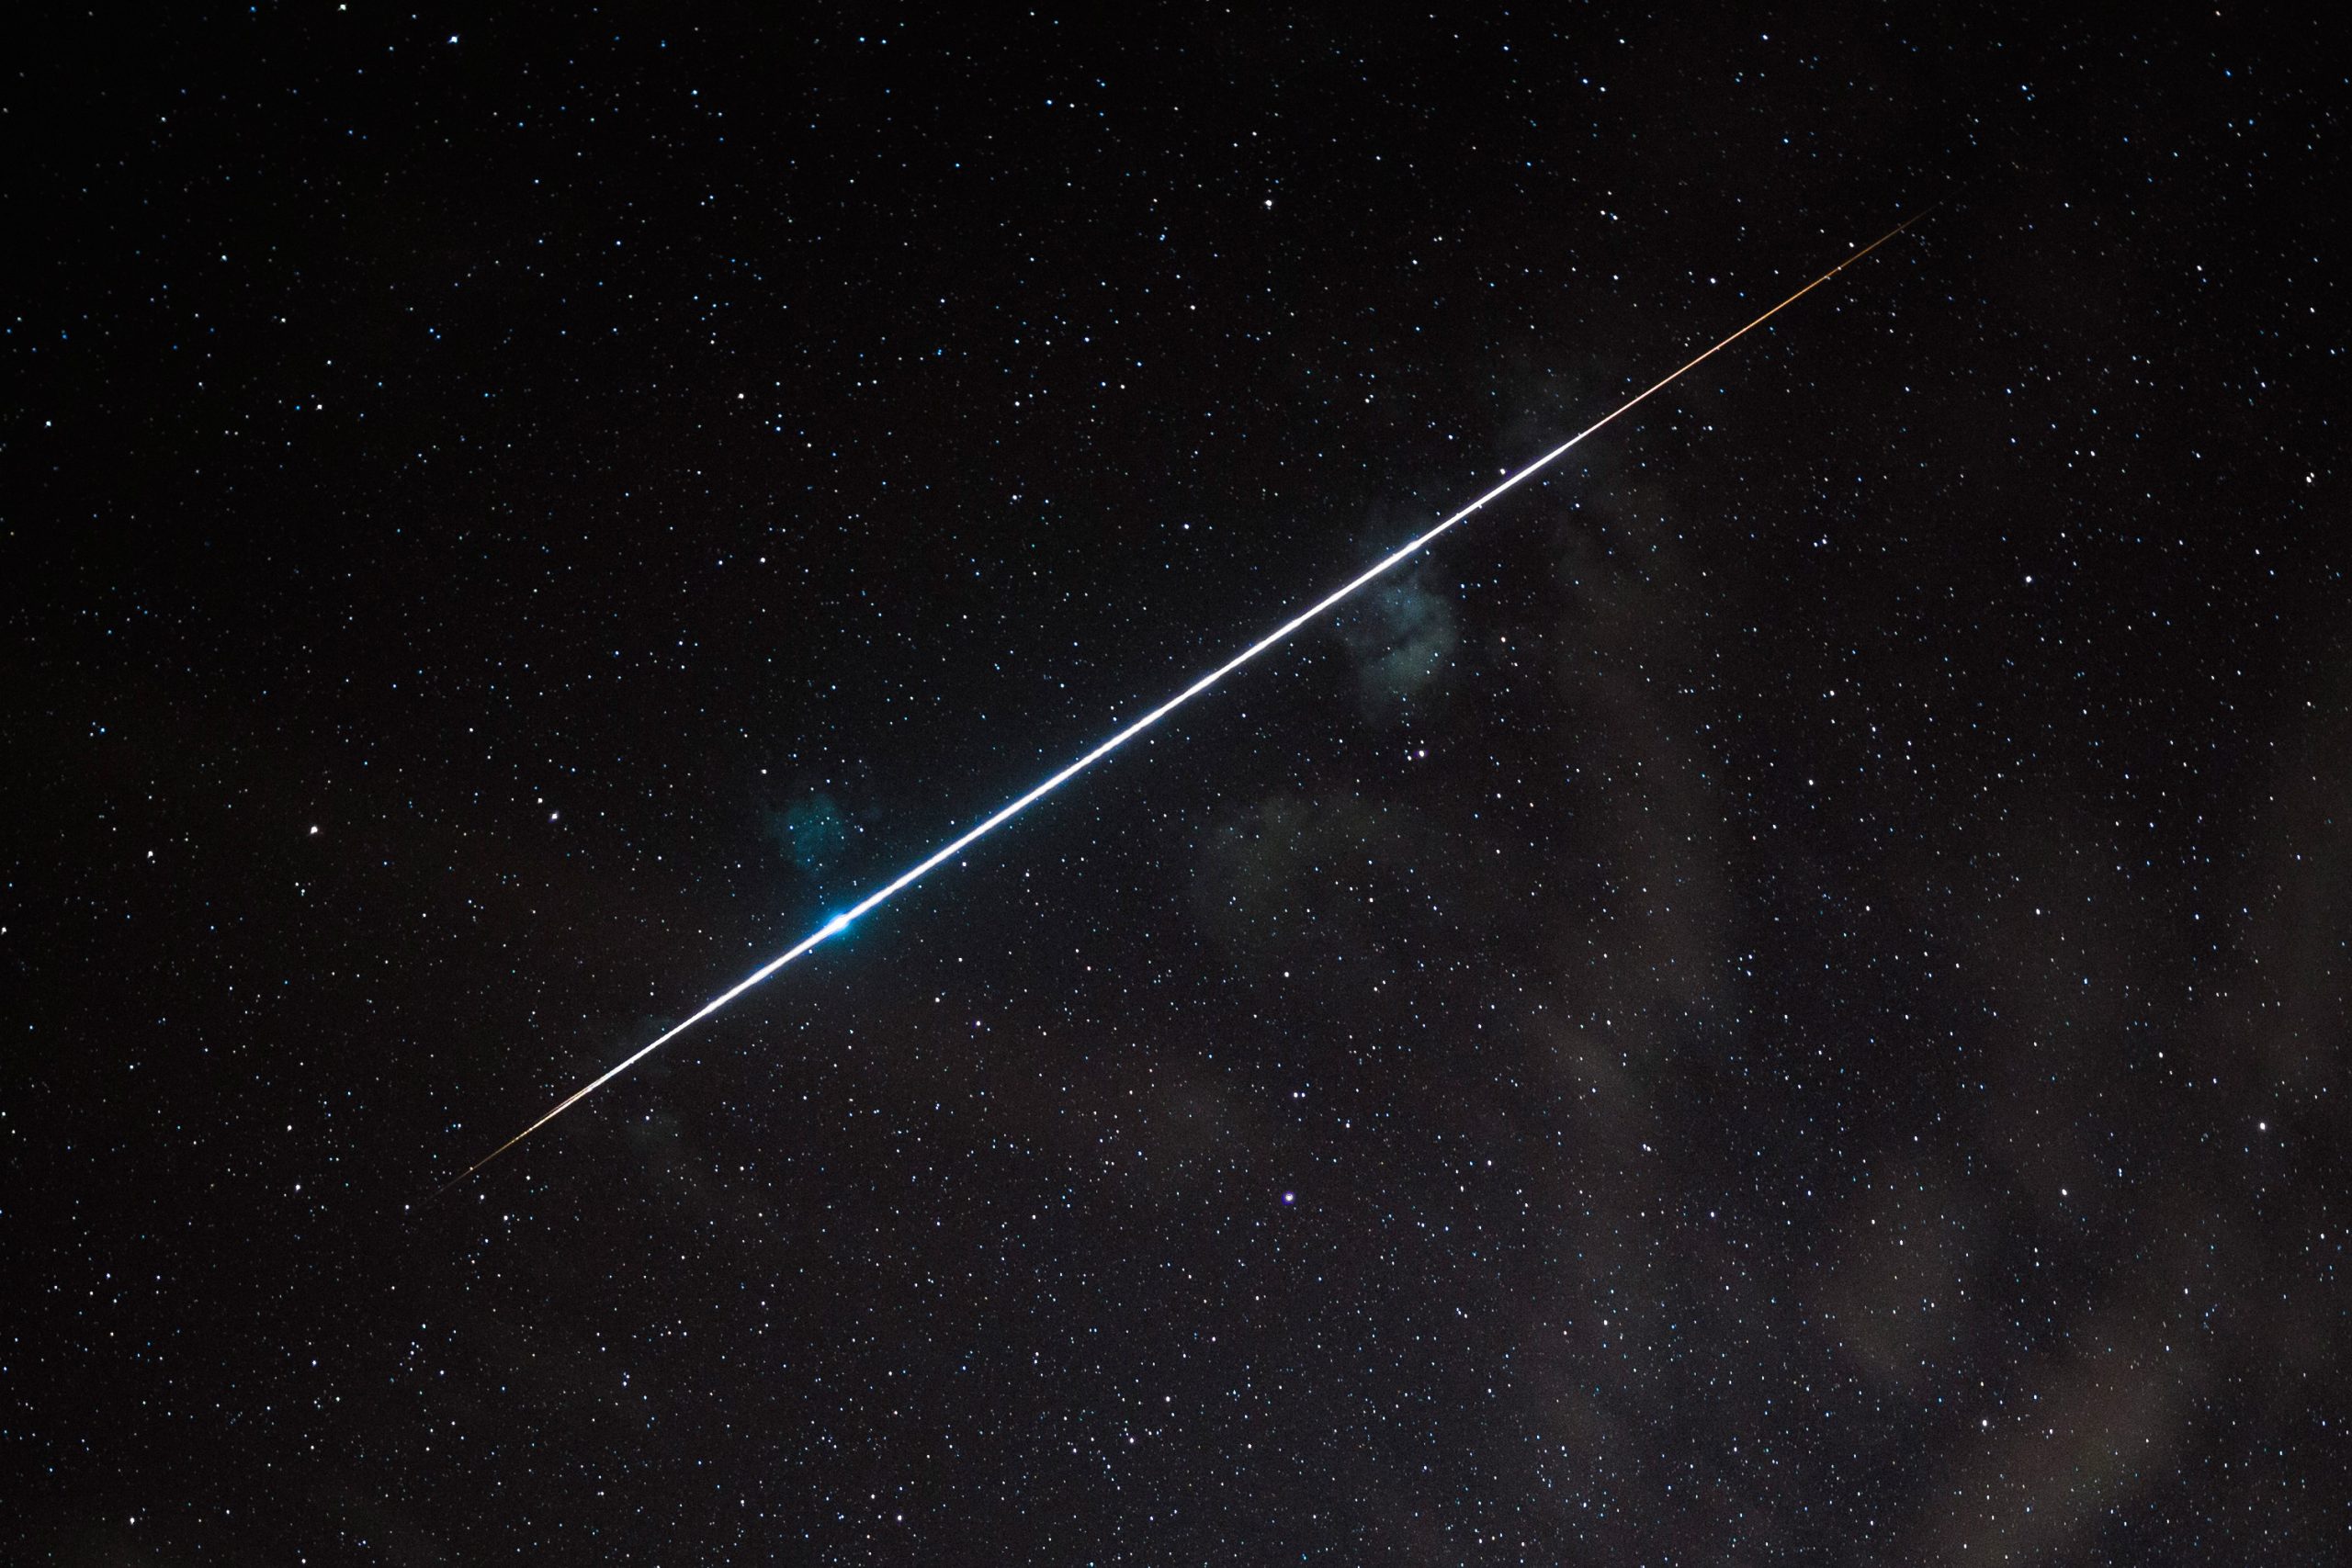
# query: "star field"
x,y
1779,995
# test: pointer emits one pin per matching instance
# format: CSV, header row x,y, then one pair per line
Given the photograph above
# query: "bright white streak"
x,y
965,840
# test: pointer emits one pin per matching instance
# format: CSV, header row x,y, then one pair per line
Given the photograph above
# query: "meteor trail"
x,y
970,836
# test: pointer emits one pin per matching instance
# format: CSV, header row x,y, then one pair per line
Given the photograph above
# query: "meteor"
x,y
970,836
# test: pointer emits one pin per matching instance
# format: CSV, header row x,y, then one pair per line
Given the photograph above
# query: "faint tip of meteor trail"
x,y
841,921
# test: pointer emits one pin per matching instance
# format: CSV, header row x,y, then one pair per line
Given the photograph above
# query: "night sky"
x,y
1780,996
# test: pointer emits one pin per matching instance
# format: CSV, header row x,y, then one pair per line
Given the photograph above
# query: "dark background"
x,y
1781,996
